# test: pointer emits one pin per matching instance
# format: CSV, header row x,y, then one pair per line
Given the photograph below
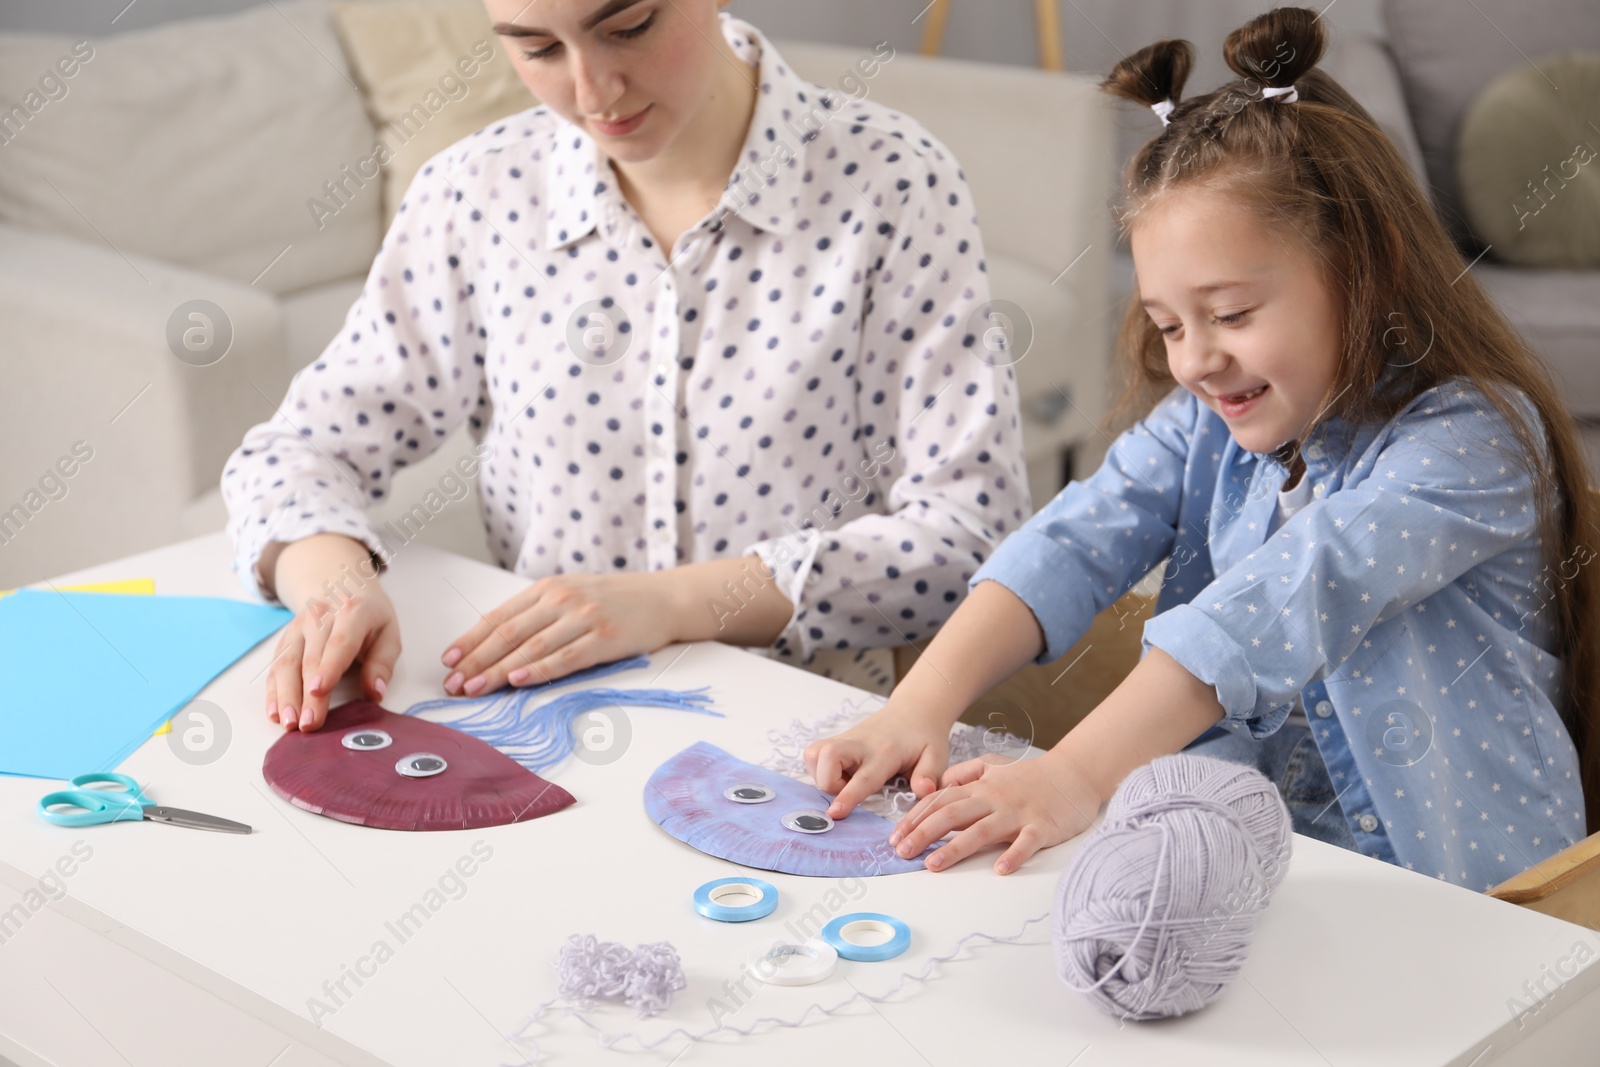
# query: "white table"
x,y
175,946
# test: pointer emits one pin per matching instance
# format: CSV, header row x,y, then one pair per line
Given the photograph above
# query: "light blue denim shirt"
x,y
1403,605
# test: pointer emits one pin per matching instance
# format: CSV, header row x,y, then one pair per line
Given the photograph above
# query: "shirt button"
x,y
1369,822
661,369
663,534
1324,709
1317,490
1314,452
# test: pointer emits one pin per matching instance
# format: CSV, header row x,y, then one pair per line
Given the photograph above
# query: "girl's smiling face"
x,y
1250,325
630,73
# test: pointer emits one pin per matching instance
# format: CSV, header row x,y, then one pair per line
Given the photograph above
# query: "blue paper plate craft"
x,y
759,818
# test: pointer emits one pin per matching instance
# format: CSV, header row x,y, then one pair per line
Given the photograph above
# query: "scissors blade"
x,y
193,819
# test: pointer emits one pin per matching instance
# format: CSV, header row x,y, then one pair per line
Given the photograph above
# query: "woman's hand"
x,y
1033,803
320,643
562,624
345,616
890,742
567,622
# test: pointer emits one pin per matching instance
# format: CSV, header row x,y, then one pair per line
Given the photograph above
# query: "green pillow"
x,y
1528,160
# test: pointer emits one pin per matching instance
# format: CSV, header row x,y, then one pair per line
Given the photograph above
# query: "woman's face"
x,y
1250,326
630,73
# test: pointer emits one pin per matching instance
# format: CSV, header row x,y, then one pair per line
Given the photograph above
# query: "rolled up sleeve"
x,y
1445,494
940,478
1098,537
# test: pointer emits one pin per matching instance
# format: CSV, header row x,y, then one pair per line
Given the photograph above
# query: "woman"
x,y
712,329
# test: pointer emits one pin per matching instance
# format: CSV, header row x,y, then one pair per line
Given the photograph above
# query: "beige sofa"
x,y
175,165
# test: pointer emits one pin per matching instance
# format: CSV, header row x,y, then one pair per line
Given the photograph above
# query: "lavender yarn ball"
x,y
1244,790
1155,916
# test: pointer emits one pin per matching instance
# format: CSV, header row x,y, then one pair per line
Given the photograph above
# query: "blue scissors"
x,y
119,804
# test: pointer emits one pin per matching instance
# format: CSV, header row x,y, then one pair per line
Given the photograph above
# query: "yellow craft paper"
x,y
146,586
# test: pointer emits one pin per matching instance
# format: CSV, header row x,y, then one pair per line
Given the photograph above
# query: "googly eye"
x,y
748,793
366,739
421,765
808,822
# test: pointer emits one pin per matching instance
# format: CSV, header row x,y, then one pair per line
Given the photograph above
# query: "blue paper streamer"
x,y
541,737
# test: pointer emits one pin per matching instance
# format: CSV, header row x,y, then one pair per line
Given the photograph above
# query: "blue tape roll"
x,y
899,941
726,913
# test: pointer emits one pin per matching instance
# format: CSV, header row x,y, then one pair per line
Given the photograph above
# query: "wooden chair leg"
x,y
1047,21
937,14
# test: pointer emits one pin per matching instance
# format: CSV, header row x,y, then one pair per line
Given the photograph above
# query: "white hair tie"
x,y
1287,92
1163,109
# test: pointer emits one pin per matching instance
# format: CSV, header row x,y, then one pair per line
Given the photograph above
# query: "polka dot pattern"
x,y
796,378
1407,607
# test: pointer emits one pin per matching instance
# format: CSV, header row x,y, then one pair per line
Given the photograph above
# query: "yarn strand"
x,y
612,1041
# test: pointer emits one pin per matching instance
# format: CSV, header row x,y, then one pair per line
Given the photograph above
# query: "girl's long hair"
x,y
1322,171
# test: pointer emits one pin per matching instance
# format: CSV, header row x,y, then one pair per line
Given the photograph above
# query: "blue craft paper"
x,y
85,678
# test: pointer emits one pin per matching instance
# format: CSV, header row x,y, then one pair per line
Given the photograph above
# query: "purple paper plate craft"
x,y
372,767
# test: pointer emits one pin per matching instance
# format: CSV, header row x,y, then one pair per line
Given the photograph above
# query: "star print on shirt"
x,y
1374,591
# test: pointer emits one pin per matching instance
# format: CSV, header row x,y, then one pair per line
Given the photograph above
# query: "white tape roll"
x,y
782,962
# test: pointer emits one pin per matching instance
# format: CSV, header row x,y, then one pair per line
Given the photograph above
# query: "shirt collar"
x,y
765,187
766,184
1329,441
573,182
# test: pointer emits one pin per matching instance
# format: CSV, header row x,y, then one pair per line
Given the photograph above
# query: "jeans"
x,y
1290,761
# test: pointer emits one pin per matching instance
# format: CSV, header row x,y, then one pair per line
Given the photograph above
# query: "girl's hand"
x,y
890,742
1033,803
320,643
564,623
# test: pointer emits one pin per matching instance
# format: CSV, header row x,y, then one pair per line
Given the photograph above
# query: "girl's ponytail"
x,y
1276,49
1153,76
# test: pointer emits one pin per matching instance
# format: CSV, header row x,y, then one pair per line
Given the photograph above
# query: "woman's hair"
x,y
1321,170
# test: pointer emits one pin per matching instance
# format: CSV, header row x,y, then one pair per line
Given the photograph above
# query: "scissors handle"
x,y
133,788
99,805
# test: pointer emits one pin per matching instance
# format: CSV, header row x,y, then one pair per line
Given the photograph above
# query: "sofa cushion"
x,y
1526,163
86,354
198,143
432,72
1558,312
1448,51
1062,338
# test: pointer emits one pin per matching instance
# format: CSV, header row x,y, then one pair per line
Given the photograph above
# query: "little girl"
x,y
1370,498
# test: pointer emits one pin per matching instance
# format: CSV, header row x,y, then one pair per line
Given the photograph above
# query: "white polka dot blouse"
x,y
800,377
